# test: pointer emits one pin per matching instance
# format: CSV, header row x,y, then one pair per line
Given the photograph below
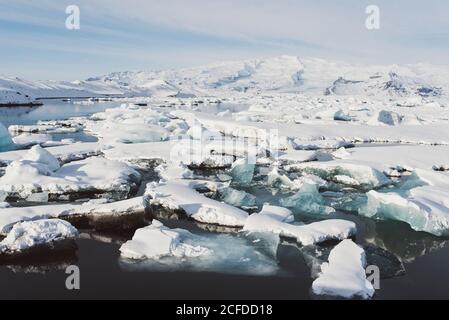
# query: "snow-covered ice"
x,y
344,275
277,220
9,216
41,174
157,247
156,241
181,195
25,236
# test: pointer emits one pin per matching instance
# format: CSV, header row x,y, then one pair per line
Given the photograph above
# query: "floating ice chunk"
x,y
157,241
237,198
40,155
47,127
93,174
265,242
320,144
387,118
38,197
308,200
158,248
25,140
169,171
5,138
344,275
4,205
130,133
346,180
278,180
280,213
295,156
224,177
28,235
92,210
365,175
242,172
341,116
425,208
176,195
313,233
341,153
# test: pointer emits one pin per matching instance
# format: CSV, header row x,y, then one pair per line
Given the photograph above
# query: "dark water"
x,y
54,110
103,277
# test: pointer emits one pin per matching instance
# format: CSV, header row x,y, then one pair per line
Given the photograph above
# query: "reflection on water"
x,y
104,274
51,110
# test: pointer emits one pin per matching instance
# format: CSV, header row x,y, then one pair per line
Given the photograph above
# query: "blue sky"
x,y
142,35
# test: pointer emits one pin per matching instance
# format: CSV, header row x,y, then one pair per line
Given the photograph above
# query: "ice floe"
x,y
98,175
181,195
96,214
344,274
157,247
275,220
156,241
31,235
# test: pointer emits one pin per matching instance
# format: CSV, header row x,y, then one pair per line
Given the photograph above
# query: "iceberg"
x,y
237,198
242,172
344,274
5,139
308,200
157,247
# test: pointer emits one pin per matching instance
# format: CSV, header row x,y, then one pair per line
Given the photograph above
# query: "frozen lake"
x,y
425,257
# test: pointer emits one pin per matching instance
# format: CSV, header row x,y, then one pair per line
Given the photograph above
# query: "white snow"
x,y
65,153
12,215
309,234
156,241
25,177
40,155
30,234
344,275
181,195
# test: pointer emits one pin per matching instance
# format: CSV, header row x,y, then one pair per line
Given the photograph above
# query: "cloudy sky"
x,y
153,34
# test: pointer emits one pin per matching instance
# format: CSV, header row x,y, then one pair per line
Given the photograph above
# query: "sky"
x,y
117,35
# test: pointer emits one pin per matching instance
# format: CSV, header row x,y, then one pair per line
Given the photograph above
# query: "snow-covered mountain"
x,y
278,74
14,90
